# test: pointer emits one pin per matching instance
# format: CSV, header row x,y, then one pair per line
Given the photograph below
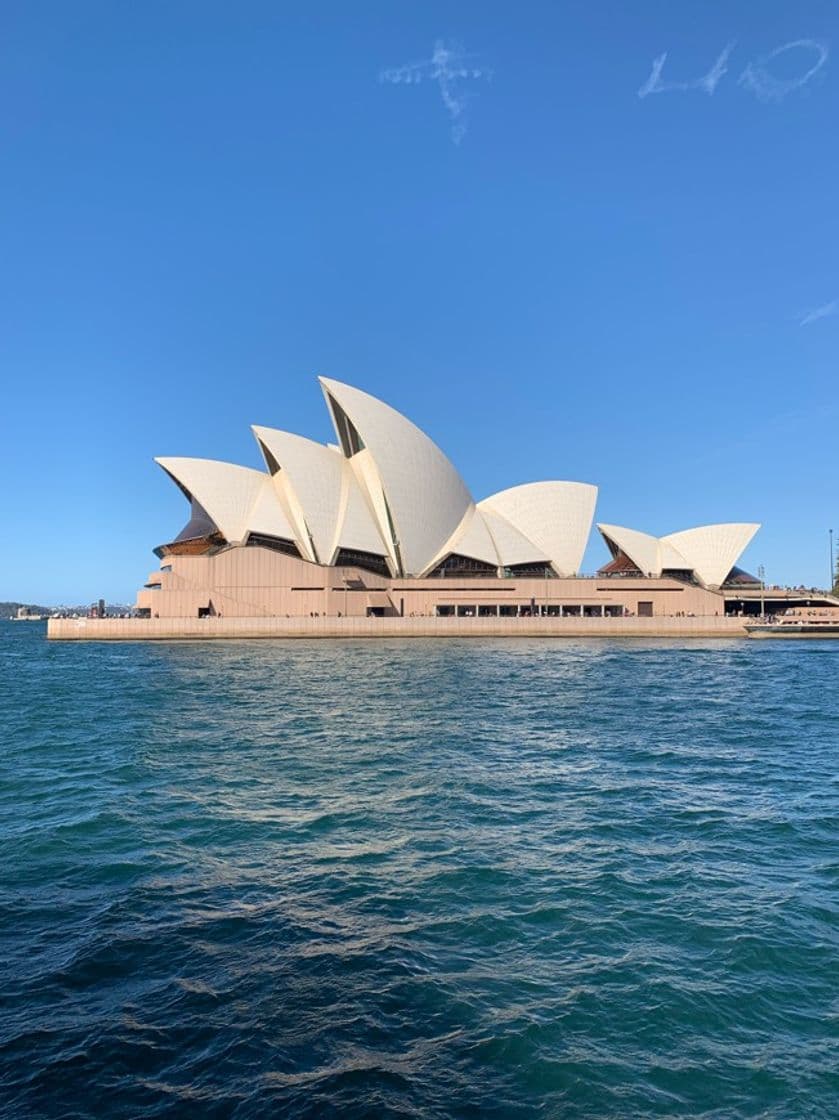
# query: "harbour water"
x,y
419,879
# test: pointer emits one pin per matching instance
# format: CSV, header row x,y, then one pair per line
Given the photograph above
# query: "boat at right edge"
x,y
799,622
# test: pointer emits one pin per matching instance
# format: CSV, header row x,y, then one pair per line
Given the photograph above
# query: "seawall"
x,y
202,629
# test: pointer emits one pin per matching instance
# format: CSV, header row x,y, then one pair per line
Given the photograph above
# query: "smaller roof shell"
x,y
641,548
512,545
230,494
269,515
357,528
709,551
472,539
313,473
555,516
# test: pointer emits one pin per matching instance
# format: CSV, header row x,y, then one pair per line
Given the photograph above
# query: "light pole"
x,y
832,583
761,572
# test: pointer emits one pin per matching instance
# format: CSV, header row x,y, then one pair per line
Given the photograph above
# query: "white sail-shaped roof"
x,y
641,548
711,551
313,475
368,480
319,482
269,516
555,516
472,538
357,528
389,491
512,546
426,497
229,493
669,556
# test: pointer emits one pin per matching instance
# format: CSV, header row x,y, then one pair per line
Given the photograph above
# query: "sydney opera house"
x,y
381,524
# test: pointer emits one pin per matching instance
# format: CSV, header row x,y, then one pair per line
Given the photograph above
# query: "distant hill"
x,y
9,609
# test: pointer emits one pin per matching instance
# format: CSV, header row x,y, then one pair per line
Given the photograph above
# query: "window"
x,y
355,558
683,575
619,565
645,609
464,567
199,535
192,546
276,544
529,571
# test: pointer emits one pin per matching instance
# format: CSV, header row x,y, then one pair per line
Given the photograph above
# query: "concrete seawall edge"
x,y
204,629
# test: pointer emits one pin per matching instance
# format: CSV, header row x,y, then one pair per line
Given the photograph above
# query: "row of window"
x,y
531,610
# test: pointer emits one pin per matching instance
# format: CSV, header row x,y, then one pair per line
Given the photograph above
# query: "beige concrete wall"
x,y
669,597
255,582
258,583
135,629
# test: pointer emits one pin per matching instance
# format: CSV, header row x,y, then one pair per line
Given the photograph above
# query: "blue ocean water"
x,y
419,879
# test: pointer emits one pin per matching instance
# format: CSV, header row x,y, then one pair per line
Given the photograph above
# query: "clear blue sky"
x,y
204,205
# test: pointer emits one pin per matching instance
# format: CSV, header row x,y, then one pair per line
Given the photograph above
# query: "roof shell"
x,y
357,528
389,490
641,548
269,514
426,497
555,516
472,539
711,551
367,477
231,495
511,544
313,474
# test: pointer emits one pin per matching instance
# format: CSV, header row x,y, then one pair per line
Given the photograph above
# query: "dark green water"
x,y
460,879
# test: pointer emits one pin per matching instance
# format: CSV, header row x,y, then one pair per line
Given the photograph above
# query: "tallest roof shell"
x,y
426,498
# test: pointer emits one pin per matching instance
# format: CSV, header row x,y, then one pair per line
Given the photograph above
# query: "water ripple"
x,y
458,879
